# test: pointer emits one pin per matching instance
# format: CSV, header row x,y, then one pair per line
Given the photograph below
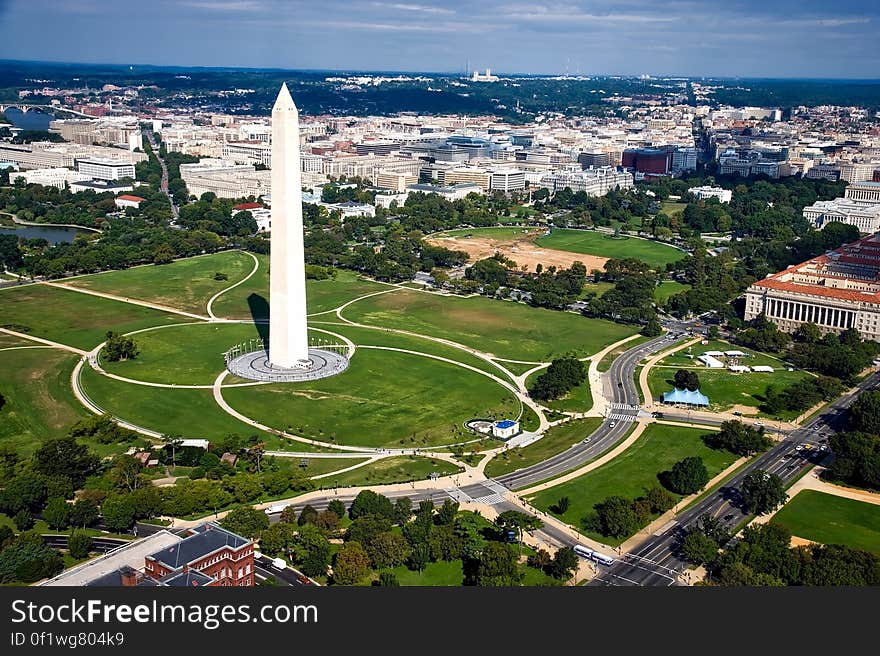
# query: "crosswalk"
x,y
624,406
622,417
494,488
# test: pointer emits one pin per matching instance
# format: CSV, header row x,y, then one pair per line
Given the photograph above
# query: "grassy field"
x,y
503,328
397,469
670,208
441,573
379,337
317,466
10,341
687,357
597,288
384,399
556,440
190,413
592,242
580,399
72,318
632,473
39,402
830,519
668,288
250,299
184,284
190,354
726,389
513,232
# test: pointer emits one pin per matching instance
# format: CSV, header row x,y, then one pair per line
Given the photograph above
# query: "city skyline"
x,y
623,37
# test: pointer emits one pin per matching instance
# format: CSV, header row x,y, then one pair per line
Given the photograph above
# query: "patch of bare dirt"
x,y
521,250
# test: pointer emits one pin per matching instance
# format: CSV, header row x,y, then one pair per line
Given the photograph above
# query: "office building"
x,y
105,169
863,192
865,217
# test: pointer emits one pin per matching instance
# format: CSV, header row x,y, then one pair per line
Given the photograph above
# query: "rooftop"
x,y
206,539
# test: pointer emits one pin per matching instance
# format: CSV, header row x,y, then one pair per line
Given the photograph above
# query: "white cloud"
x,y
414,8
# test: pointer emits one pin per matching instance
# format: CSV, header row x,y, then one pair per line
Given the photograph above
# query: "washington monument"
x,y
288,334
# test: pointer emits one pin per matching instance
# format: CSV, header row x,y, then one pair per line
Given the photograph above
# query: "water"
x,y
53,235
31,120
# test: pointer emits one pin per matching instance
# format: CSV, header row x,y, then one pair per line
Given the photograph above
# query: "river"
x,y
31,120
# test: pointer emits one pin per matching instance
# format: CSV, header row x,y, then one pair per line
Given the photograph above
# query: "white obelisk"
x,y
288,334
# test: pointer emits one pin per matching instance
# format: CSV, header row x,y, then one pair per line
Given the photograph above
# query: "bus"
x,y
602,559
583,552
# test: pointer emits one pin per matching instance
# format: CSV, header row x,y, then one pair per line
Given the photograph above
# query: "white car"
x,y
612,424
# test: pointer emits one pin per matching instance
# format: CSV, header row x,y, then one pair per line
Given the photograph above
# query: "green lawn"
x,y
190,413
580,399
189,354
597,288
670,208
556,440
503,328
632,473
385,398
317,466
593,242
72,318
440,573
39,401
726,389
830,519
185,284
513,232
10,341
251,299
396,469
668,288
687,357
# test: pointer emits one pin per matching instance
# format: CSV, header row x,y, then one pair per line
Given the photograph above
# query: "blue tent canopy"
x,y
685,396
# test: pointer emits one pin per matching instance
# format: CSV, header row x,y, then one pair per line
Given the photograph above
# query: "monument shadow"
x,y
259,308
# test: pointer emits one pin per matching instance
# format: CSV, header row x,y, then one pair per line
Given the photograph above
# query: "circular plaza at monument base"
x,y
322,363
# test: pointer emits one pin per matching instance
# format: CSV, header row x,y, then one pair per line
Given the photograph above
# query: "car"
x,y
799,447
824,447
612,424
728,517
585,440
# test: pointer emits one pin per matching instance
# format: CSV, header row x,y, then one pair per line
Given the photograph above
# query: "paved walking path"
x,y
223,291
40,340
654,359
124,299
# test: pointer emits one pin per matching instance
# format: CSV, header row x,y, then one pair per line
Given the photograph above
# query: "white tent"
x,y
763,368
738,369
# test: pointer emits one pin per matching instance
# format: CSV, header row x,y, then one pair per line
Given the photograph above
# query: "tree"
x,y
738,438
402,510
388,580
119,348
561,377
762,492
864,413
446,514
126,473
308,515
65,457
163,255
278,538
27,560
118,512
312,550
84,513
698,548
172,442
498,566
246,487
57,513
561,506
338,508
288,515
26,491
23,520
659,500
517,521
368,502
653,328
79,544
616,517
351,564
387,550
246,521
687,379
856,459
687,476
565,563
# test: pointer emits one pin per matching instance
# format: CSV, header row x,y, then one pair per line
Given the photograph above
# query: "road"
x,y
625,399
656,562
163,186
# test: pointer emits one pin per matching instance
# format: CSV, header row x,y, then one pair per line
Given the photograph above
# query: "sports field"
x,y
183,284
593,242
831,519
632,473
384,399
72,318
503,328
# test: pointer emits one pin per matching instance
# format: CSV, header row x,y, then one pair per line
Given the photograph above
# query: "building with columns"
x,y
836,291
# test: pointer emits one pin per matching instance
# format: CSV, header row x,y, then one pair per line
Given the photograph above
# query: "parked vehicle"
x,y
583,552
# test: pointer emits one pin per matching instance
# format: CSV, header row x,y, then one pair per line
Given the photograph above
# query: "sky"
x,y
746,38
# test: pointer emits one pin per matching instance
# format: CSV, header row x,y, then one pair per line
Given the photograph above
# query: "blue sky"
x,y
766,38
